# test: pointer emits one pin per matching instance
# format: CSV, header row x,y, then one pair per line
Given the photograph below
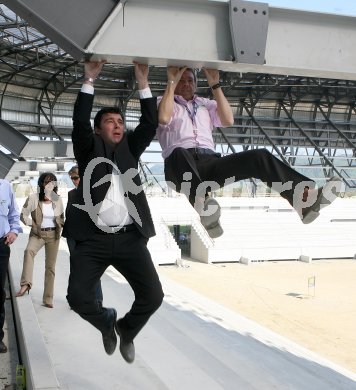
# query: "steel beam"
x,y
22,168
6,163
70,24
20,146
11,139
48,149
197,33
18,169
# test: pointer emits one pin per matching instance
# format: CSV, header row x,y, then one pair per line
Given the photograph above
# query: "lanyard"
x,y
191,114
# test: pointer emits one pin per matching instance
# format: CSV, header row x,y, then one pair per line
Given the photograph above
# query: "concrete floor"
x,y
190,342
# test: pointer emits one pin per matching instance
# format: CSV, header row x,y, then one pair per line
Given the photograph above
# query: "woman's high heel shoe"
x,y
25,288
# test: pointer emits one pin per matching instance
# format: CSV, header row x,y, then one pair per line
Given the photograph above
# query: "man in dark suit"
x,y
191,165
74,176
110,219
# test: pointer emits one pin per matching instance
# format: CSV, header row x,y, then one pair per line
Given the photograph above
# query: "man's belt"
x,y
201,151
117,229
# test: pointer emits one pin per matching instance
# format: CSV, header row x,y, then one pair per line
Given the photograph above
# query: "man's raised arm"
x,y
165,108
223,106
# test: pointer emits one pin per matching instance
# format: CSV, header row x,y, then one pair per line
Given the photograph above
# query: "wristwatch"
x,y
90,79
216,86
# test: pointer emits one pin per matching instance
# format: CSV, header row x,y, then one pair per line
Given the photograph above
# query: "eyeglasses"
x,y
74,177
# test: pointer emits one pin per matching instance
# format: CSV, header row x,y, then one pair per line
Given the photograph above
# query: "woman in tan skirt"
x,y
43,211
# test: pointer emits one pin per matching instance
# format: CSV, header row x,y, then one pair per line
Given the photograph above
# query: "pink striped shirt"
x,y
186,133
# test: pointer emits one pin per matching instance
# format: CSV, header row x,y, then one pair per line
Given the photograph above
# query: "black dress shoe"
x,y
109,338
127,348
3,347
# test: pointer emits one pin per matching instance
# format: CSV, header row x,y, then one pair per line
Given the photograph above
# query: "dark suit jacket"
x,y
88,146
71,196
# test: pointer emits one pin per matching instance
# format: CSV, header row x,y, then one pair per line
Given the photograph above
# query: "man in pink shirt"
x,y
186,122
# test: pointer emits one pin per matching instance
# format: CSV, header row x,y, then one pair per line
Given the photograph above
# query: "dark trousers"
x,y
216,171
129,255
71,245
4,263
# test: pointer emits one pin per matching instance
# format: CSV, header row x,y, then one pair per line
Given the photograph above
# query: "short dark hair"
x,y
45,176
106,110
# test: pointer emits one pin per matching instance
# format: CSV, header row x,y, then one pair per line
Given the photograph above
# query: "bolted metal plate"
x,y
249,26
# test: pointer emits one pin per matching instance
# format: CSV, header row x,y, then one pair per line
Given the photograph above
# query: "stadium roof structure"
x,y
306,120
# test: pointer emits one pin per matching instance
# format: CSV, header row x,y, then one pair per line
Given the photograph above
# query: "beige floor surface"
x,y
280,295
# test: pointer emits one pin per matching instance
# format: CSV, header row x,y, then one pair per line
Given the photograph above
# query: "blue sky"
x,y
346,7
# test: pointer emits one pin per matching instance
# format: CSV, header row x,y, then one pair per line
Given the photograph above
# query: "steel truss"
x,y
308,122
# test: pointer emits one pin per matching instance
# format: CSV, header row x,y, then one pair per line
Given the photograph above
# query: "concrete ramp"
x,y
190,343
